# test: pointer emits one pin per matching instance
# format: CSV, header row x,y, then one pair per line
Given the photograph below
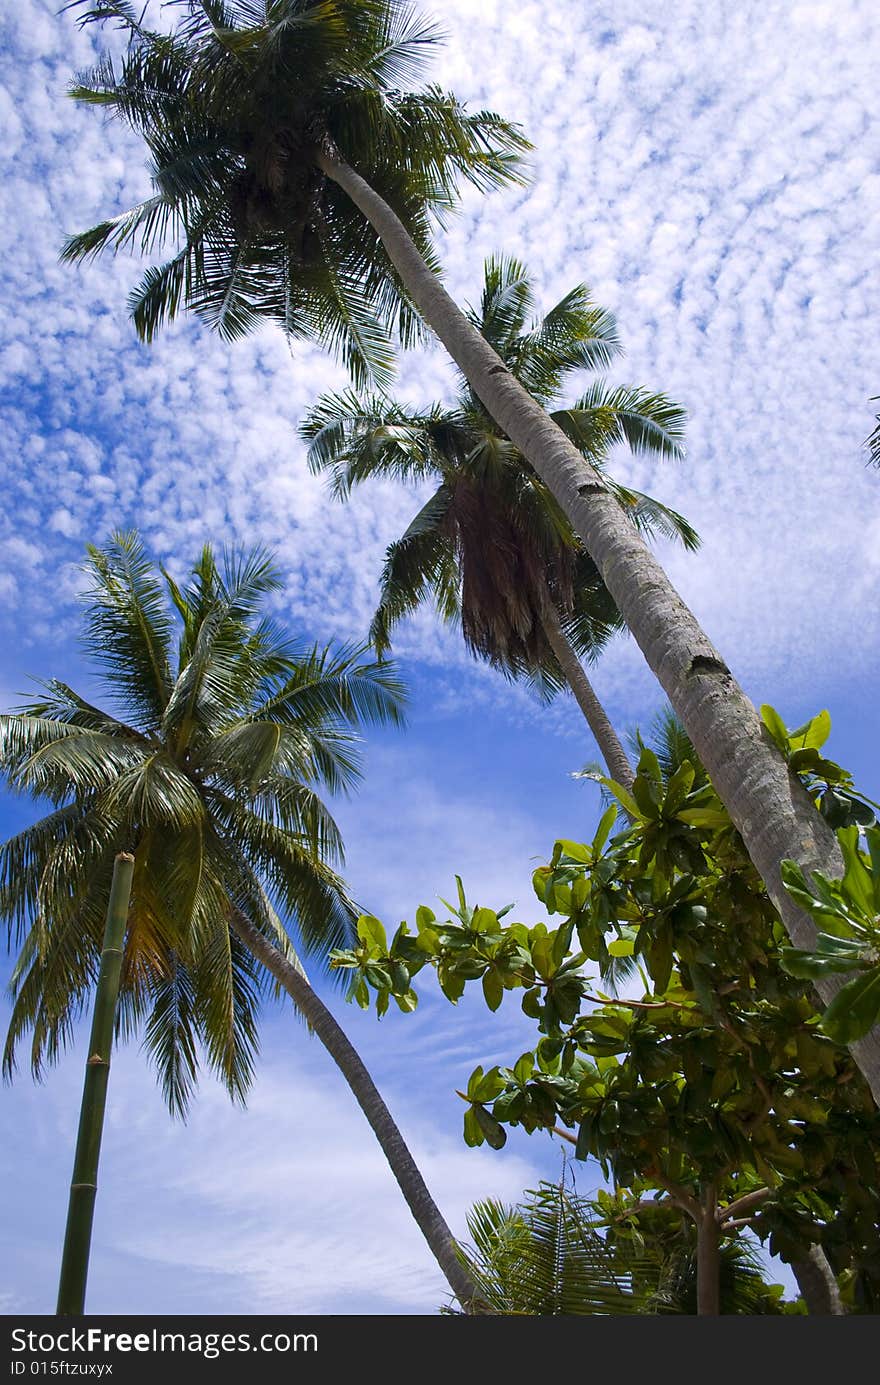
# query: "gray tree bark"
x,y
427,1214
769,807
818,1284
612,751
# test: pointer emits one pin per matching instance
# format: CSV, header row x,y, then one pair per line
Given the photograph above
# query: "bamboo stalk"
x,y
84,1185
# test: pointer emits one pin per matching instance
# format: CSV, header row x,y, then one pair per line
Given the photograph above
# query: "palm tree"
x,y
491,544
208,773
271,124
872,441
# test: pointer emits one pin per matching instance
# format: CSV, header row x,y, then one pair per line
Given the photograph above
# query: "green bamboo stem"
x,y
84,1185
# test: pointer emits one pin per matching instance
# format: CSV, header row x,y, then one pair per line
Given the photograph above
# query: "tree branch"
x,y
742,1204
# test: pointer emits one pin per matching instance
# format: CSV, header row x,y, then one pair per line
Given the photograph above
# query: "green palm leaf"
x,y
490,546
235,105
213,782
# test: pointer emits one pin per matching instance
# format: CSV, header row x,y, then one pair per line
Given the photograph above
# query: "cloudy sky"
x,y
713,173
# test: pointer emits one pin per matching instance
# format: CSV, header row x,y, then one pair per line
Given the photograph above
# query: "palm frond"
x,y
128,626
645,421
171,1034
546,1258
651,516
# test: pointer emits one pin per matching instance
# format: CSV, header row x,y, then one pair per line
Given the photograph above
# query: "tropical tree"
x,y
271,124
208,772
716,1089
561,1253
490,544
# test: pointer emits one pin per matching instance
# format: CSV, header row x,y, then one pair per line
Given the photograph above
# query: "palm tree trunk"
x,y
84,1185
423,1207
818,1284
768,805
613,752
708,1254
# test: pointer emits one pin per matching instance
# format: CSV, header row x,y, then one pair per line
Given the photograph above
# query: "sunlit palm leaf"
x,y
214,783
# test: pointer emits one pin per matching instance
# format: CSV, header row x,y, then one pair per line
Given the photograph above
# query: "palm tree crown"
x,y
235,106
491,544
210,776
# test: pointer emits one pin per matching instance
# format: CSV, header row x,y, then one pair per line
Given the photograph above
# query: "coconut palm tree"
x,y
490,544
271,124
208,772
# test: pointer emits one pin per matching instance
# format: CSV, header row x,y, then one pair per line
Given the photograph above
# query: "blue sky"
x,y
712,173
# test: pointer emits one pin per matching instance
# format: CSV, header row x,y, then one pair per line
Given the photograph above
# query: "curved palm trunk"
x,y
769,807
818,1284
613,752
423,1207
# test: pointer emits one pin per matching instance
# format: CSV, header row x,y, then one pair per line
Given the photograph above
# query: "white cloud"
x,y
711,174
286,1207
713,183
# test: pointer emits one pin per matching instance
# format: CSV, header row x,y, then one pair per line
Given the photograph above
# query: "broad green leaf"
x,y
494,1133
575,850
678,788
814,733
484,921
776,726
399,978
407,1002
804,760
649,766
451,985
625,799
645,793
542,956
857,879
703,817
562,942
474,1081
532,1003
424,917
808,965
585,1131
428,940
473,1135
855,1009
493,990
659,959
523,1067
606,822
621,947
371,931
539,881
487,1087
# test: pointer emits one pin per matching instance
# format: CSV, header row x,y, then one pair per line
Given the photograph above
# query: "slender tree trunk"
x,y
84,1185
423,1207
613,753
708,1254
768,805
818,1284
